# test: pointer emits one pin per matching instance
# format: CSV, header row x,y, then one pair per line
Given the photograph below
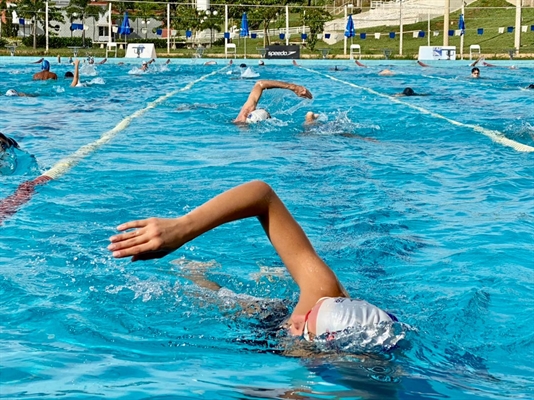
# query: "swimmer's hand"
x,y
301,91
150,238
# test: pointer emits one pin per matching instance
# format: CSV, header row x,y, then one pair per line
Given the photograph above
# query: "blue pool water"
x,y
416,203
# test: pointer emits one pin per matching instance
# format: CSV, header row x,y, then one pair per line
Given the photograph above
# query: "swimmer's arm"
x,y
157,237
76,77
256,92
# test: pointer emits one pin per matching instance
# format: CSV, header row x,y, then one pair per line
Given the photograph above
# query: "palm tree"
x,y
35,11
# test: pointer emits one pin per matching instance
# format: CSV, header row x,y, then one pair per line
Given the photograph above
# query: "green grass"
x,y
487,14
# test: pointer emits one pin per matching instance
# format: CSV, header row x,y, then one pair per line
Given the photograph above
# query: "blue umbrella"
x,y
461,24
349,29
125,29
244,30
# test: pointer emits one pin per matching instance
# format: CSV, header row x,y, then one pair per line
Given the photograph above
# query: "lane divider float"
x,y
25,191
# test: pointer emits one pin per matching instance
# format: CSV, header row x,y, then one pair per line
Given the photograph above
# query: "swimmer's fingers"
x,y
133,224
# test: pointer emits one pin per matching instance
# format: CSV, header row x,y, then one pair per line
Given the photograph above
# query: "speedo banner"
x,y
282,52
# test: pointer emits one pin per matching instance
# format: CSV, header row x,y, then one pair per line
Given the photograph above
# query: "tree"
x,y
315,20
146,9
81,9
35,11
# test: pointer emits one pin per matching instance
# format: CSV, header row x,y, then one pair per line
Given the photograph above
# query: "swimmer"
x,y
475,73
310,118
210,62
359,64
144,66
102,62
168,61
474,63
324,308
261,63
7,143
386,72
531,86
408,92
14,93
249,113
8,159
422,64
45,73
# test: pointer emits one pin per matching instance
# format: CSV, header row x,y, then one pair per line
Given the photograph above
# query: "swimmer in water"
x,y
45,73
475,73
8,159
14,93
408,92
386,72
324,308
250,114
144,66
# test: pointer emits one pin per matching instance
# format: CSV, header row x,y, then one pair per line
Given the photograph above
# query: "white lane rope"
x,y
496,136
70,161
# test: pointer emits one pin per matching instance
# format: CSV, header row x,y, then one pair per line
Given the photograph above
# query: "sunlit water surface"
x,y
423,216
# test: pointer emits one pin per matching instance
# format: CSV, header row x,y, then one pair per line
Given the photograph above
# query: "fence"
x,y
399,20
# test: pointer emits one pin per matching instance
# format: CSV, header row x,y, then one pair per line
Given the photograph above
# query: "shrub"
x,y
55,42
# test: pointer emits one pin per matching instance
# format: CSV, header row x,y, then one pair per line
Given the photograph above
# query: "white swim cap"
x,y
257,116
339,313
12,92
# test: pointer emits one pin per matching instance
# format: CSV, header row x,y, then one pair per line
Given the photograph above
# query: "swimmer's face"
x,y
475,74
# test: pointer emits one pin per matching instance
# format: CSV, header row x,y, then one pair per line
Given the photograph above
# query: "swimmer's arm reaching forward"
x,y
257,91
157,237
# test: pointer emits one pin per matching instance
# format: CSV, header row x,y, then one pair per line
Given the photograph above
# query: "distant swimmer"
x,y
211,62
474,63
408,92
359,64
14,93
102,62
531,86
249,113
310,118
422,64
475,73
386,72
144,66
45,73
261,63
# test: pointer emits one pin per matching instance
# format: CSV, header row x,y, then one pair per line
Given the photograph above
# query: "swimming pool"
x,y
416,203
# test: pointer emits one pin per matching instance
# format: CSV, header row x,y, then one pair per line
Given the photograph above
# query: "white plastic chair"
x,y
355,48
231,49
472,49
111,46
